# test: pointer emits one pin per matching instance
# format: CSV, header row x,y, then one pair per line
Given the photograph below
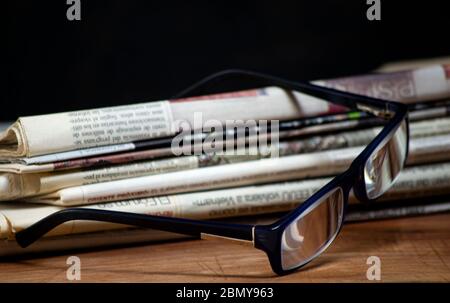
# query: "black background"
x,y
130,51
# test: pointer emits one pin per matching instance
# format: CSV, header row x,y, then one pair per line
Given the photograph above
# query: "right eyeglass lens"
x,y
312,232
386,162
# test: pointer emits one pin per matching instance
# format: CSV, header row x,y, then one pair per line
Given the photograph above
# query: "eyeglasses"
x,y
304,233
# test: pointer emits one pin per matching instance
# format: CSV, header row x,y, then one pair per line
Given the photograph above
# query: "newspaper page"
x,y
408,86
30,136
14,186
325,163
309,144
52,133
238,174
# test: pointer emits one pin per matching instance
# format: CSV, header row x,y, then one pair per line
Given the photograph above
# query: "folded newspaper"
x,y
310,155
46,134
30,136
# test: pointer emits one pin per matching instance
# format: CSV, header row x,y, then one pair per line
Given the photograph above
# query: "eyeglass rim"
x,y
352,178
308,210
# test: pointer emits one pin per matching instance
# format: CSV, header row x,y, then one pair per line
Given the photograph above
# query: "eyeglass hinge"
x,y
385,114
205,236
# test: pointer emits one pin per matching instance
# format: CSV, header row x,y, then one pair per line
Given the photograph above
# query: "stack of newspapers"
x,y
228,156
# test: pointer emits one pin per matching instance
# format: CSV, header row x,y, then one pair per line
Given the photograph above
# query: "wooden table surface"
x,y
410,249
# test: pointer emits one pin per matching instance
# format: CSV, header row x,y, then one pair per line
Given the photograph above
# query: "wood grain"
x,y
410,249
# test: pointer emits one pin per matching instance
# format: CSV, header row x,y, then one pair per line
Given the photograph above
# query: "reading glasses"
x,y
305,232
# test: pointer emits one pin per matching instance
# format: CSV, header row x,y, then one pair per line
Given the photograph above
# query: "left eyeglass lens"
x,y
311,233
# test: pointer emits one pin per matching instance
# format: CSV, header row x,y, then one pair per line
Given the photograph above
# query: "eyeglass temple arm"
x,y
380,108
177,225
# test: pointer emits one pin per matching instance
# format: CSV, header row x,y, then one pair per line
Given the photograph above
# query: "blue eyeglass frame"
x,y
265,237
